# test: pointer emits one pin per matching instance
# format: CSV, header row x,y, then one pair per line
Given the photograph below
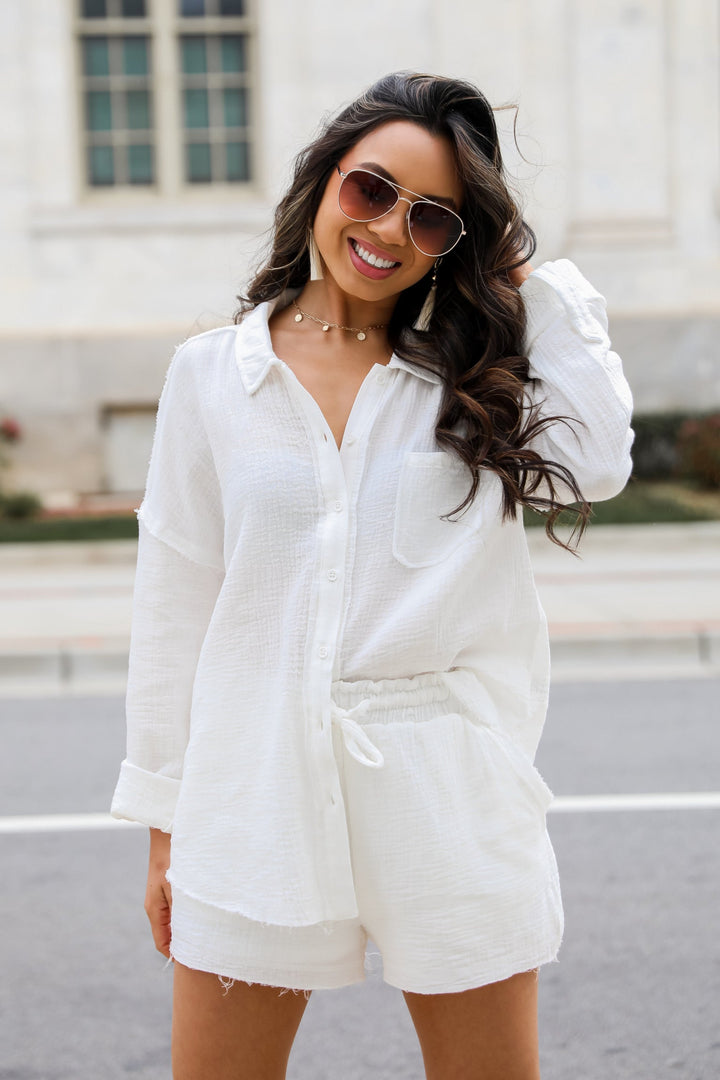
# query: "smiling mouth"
x,y
372,260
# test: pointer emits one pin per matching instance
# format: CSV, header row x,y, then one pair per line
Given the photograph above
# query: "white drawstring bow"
x,y
357,743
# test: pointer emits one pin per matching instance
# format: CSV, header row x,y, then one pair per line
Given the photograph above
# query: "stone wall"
x,y
619,122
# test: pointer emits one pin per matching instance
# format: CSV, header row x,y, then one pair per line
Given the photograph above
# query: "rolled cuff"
x,y
146,797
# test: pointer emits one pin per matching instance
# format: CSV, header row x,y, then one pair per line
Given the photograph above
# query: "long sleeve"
x,y
178,579
576,374
173,601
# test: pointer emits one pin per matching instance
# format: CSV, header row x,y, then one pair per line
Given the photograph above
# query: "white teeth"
x,y
373,260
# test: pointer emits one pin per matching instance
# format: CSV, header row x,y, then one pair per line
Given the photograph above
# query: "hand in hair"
x,y
520,274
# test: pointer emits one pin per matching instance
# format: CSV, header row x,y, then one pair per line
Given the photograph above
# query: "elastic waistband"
x,y
418,699
366,701
422,689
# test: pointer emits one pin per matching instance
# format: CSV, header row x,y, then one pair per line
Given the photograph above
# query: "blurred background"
x,y
144,143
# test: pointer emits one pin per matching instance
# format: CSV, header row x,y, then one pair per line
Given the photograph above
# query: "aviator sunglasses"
x,y
364,196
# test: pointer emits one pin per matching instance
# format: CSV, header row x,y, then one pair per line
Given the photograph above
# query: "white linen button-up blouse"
x,y
270,564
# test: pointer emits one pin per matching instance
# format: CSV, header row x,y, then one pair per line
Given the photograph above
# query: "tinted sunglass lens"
x,y
364,197
434,229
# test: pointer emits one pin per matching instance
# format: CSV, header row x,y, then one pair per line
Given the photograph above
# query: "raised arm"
x,y
576,374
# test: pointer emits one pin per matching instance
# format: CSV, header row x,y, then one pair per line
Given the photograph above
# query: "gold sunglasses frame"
x,y
401,198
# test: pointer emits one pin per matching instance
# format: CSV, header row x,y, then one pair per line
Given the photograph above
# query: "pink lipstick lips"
x,y
366,268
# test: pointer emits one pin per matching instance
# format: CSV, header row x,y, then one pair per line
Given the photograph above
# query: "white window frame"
x,y
164,28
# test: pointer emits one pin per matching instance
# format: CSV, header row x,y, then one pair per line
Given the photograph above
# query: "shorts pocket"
x,y
430,485
524,769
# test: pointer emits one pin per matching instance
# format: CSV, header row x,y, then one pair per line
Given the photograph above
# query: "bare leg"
x,y
489,1033
244,1034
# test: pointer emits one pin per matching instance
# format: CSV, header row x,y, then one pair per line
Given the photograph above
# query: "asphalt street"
x,y
635,996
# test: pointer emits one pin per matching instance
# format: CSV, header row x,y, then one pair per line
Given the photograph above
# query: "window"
x,y
190,127
215,107
117,95
127,441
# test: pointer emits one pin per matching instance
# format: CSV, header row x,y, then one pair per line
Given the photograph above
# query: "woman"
x,y
339,664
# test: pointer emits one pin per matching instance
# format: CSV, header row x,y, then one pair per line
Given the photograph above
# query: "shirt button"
x,y
382,378
332,574
349,440
338,506
322,652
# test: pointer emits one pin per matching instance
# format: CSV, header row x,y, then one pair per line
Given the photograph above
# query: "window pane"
x,y
98,110
137,108
196,109
135,57
198,163
233,52
133,9
232,7
235,107
94,9
193,56
192,7
101,167
95,56
238,161
140,164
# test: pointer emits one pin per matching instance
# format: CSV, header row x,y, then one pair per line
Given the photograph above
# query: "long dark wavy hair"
x,y
475,336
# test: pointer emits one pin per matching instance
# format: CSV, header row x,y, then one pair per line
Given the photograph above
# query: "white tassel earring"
x,y
316,272
423,320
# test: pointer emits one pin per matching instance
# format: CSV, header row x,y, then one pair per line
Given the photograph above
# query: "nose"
x,y
392,228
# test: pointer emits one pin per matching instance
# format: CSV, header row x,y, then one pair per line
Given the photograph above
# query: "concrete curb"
x,y
604,622
72,668
62,668
59,553
701,648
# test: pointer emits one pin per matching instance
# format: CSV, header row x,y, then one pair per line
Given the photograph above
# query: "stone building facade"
x,y
144,143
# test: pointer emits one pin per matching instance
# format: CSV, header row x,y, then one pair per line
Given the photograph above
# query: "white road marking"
x,y
30,823
671,800
562,804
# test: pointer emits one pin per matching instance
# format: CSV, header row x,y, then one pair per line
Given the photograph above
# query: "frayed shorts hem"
x,y
283,980
334,980
498,972
210,939
237,949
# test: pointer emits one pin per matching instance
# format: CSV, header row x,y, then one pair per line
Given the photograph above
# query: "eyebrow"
x,y
373,165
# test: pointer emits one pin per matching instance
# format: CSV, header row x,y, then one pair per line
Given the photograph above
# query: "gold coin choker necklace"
x,y
360,332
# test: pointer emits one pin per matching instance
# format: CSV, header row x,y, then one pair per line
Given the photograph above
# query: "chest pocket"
x,y
431,485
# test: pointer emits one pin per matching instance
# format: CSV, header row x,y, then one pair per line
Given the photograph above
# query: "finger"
x,y
160,927
158,908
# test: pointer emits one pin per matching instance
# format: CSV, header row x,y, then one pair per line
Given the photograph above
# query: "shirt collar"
x,y
253,347
254,352
396,361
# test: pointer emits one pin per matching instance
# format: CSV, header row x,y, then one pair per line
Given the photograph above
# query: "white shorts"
x,y
455,876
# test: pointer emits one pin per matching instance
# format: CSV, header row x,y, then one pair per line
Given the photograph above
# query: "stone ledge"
x,y
85,670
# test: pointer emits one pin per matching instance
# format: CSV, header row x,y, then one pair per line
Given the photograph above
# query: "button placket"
x,y
331,557
338,476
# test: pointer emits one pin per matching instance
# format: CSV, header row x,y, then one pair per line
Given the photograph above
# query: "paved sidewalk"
x,y
641,600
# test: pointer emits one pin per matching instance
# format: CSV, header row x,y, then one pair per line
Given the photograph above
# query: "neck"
x,y
325,299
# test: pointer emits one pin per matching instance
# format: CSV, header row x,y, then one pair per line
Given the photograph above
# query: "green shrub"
x,y
698,447
19,505
113,527
655,451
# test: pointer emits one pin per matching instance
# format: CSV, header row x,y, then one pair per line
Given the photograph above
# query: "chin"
x,y
370,291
